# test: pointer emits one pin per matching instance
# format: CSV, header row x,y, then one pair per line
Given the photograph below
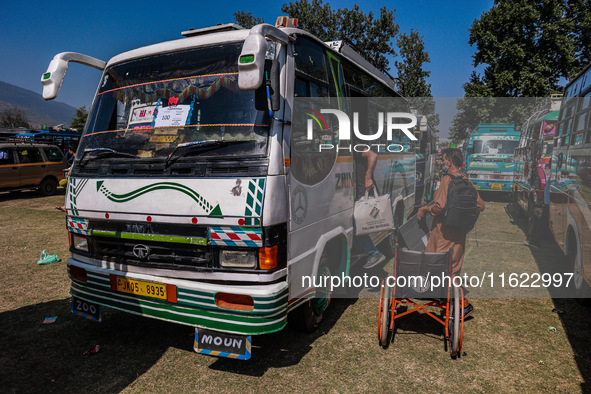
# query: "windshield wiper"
x,y
102,153
197,145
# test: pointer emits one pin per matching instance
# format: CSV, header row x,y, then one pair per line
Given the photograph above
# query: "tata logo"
x,y
141,251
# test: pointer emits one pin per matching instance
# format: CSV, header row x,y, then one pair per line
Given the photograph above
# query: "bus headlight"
x,y
80,243
238,259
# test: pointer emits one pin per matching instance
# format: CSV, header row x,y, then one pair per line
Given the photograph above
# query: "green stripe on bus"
x,y
259,312
230,323
148,237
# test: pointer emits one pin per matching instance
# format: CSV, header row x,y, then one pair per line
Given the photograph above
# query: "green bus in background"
x,y
489,156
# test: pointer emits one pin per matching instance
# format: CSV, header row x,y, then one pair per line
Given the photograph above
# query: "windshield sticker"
x,y
163,138
141,115
172,116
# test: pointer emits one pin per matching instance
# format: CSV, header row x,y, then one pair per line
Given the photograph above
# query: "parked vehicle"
x,y
532,162
25,166
194,199
489,156
570,189
64,139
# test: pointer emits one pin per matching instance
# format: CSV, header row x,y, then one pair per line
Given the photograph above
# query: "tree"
x,y
528,48
412,75
370,36
579,11
525,47
12,118
79,119
246,20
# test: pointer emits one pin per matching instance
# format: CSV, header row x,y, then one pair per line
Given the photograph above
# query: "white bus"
x,y
191,200
570,185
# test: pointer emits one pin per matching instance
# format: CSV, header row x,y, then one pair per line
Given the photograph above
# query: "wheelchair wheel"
x,y
384,316
455,316
462,317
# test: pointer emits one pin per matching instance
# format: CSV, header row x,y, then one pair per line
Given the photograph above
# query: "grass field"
x,y
507,344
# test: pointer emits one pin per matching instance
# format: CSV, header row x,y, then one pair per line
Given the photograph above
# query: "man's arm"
x,y
439,200
372,159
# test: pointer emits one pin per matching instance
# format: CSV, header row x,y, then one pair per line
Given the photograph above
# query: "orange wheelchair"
x,y
418,270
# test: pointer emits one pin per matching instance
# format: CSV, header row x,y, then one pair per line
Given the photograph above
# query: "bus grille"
x,y
164,255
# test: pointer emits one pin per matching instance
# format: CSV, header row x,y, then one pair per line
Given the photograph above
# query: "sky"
x,y
33,32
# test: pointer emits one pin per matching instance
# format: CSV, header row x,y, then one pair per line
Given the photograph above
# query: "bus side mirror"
x,y
53,78
251,63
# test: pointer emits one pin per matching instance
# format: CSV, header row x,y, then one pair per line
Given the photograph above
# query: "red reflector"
x,y
78,273
234,301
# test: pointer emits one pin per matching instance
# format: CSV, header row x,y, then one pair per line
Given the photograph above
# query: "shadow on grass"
x,y
419,323
576,319
50,357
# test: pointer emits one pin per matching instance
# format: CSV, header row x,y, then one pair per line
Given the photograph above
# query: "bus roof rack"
x,y
212,29
343,48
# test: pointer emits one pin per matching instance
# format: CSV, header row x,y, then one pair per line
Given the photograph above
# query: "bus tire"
x,y
531,219
308,316
582,288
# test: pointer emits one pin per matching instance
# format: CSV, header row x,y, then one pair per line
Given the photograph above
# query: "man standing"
x,y
443,238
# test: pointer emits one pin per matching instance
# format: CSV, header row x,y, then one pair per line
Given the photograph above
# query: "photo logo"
x,y
392,121
392,124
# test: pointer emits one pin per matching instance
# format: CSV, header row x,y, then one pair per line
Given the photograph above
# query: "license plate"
x,y
138,287
221,344
86,309
496,185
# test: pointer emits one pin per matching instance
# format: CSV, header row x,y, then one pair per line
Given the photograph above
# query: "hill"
x,y
39,112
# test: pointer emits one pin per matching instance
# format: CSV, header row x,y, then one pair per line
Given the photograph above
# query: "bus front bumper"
x,y
493,185
188,302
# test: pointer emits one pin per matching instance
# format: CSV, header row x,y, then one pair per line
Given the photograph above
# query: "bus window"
x,y
310,59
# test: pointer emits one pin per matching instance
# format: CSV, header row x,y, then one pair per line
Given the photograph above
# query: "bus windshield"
x,y
495,147
155,107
